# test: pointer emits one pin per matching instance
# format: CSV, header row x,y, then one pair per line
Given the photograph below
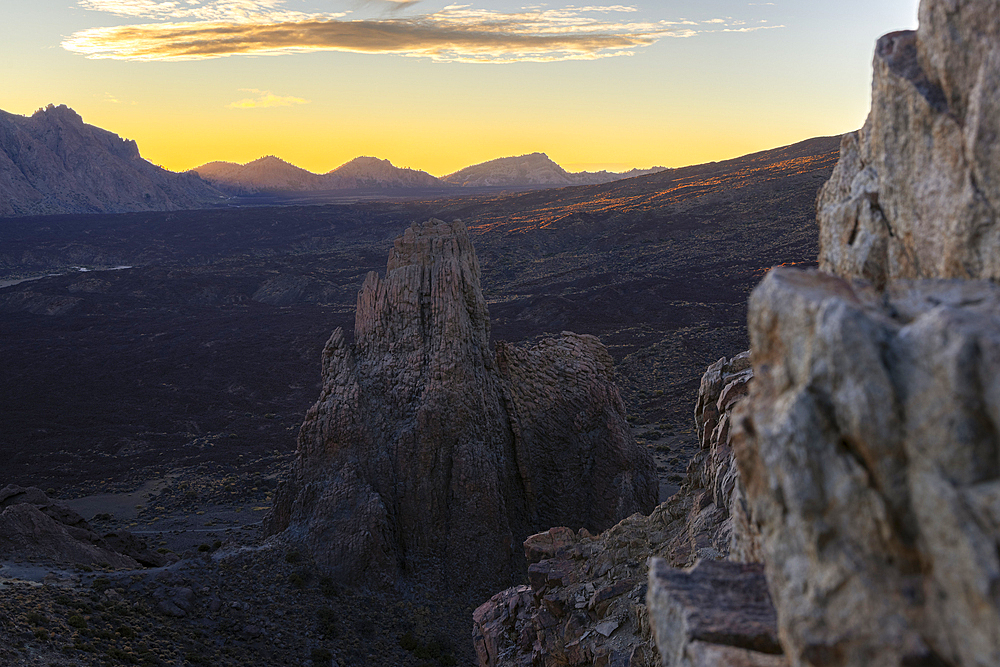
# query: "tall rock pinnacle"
x,y
412,463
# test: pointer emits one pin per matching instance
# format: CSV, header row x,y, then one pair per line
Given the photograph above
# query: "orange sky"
x,y
438,87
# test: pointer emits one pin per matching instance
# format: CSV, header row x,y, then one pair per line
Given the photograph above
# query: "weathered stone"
x,y
720,603
916,192
578,461
719,524
428,460
605,575
870,457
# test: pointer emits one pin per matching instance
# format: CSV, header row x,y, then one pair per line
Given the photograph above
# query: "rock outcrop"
x,y
586,599
871,461
868,446
917,190
425,460
33,526
52,162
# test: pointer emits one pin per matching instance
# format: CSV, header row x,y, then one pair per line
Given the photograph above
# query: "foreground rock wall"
x,y
916,193
424,461
869,444
872,463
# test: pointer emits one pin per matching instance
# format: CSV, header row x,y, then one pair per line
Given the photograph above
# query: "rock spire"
x,y
426,460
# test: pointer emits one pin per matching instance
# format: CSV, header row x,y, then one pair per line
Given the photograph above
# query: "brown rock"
x,y
721,603
424,461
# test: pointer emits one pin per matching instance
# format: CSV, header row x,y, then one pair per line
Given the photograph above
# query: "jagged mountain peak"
x,y
61,112
52,162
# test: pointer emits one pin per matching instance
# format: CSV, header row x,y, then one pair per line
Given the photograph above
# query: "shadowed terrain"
x,y
207,348
183,380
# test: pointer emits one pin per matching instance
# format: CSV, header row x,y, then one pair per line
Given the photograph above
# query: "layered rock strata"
x,y
716,613
585,603
426,460
917,190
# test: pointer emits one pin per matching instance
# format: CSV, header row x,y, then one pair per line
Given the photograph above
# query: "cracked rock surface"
x,y
916,193
428,459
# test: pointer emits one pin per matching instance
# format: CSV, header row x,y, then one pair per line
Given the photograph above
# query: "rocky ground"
x,y
218,327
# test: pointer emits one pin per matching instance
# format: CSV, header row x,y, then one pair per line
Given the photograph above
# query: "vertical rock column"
x,y
405,465
427,460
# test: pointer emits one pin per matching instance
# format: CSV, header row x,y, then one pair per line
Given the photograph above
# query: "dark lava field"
x,y
205,351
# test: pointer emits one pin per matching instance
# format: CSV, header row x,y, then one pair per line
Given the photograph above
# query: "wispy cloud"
x,y
265,99
457,33
236,11
392,5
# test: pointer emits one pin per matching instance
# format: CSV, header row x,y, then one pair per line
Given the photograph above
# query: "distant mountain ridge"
x,y
271,174
533,169
261,175
53,162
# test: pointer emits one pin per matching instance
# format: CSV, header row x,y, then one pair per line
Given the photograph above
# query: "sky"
x,y
438,85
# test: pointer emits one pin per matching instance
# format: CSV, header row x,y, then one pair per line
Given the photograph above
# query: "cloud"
x,y
265,99
236,11
392,5
457,33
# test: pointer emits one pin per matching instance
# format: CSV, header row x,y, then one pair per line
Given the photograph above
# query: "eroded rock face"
x,y
578,462
871,460
422,461
586,599
916,192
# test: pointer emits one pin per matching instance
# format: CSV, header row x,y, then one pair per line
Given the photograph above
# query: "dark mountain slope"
x,y
53,162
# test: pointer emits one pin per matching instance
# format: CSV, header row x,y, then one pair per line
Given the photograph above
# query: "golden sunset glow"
x,y
438,87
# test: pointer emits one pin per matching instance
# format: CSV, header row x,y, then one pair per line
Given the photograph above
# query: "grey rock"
x,y
916,192
871,463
